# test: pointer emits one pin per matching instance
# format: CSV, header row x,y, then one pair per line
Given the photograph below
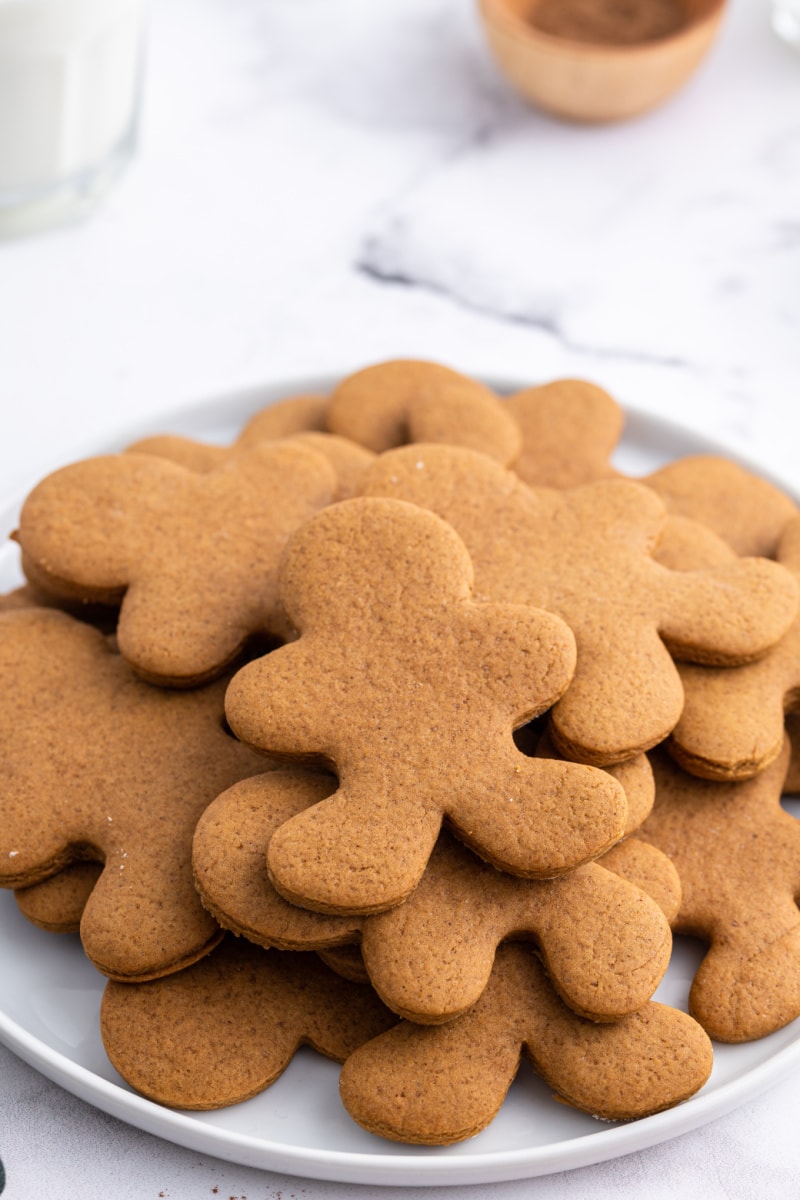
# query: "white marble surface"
x,y
322,183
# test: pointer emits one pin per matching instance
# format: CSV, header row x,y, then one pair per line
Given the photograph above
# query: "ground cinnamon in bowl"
x,y
599,60
613,22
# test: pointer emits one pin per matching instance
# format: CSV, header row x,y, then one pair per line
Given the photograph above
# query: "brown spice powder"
x,y
614,22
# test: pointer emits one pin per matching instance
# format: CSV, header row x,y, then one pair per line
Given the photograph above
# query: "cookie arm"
x,y
431,1085
728,615
172,927
732,724
281,703
746,988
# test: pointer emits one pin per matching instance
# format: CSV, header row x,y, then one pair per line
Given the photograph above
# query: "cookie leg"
x,y
605,943
732,721
642,1064
742,991
431,1085
622,700
57,903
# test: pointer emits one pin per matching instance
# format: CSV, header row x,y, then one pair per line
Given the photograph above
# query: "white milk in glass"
x,y
70,74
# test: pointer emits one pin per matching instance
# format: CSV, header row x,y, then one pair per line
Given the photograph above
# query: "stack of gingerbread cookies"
x,y
408,728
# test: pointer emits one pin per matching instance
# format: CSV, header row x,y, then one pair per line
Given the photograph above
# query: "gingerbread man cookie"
x,y
193,557
405,400
98,765
412,689
587,555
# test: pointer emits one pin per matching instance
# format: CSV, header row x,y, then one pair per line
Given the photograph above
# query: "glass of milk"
x,y
70,75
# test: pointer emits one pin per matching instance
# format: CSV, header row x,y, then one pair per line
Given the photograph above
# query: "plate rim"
x,y
241,402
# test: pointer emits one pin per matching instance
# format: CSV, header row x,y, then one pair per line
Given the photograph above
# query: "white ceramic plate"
x,y
50,995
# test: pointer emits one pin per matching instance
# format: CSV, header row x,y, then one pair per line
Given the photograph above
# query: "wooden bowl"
x,y
596,81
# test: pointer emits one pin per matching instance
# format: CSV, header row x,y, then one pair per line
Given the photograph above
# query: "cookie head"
x,y
393,403
569,430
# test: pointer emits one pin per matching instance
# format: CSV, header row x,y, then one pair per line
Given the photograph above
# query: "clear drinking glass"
x,y
70,80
